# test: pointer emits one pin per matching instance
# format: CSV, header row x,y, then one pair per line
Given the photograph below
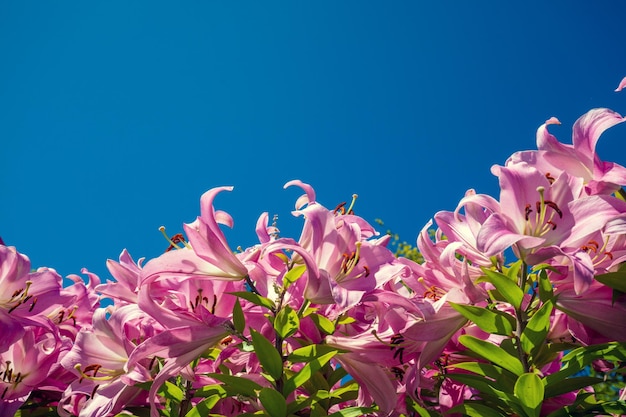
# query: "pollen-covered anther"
x,y
350,260
32,305
397,372
434,293
527,211
554,207
174,240
341,208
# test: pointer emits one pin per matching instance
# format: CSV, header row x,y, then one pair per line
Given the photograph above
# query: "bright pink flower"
x,y
348,264
127,275
24,365
593,317
24,295
207,254
99,358
579,159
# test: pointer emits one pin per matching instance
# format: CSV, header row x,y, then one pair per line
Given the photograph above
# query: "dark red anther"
x,y
552,223
93,393
609,254
550,178
214,304
4,392
554,207
32,304
527,211
341,208
594,243
17,292
367,271
95,367
398,373
177,238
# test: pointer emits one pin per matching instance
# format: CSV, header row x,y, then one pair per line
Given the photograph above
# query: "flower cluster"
x,y
334,323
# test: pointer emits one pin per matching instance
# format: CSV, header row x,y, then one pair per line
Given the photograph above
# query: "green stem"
x,y
185,404
521,321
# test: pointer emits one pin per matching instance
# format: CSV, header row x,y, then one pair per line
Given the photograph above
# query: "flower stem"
x,y
521,320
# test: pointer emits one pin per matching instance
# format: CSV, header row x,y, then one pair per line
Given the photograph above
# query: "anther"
x,y
527,211
93,393
341,208
554,207
550,178
174,240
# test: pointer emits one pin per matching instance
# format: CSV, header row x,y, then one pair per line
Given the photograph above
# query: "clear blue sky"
x,y
116,116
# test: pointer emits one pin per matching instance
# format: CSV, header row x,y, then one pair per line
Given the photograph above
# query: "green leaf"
x,y
352,412
255,299
509,289
240,385
238,318
171,392
493,353
536,330
529,390
486,387
306,353
209,390
545,286
474,409
307,371
293,275
491,321
286,322
569,385
273,402
506,380
615,280
267,354
322,323
579,358
204,407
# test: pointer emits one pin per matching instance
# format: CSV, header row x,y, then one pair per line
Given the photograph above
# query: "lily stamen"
x,y
174,240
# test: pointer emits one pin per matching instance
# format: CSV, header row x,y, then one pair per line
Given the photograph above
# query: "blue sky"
x,y
116,116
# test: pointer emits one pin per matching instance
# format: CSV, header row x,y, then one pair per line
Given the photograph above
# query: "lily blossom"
x,y
580,158
100,356
207,254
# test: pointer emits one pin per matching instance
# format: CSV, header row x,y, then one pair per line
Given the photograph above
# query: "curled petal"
x,y
588,128
621,85
308,198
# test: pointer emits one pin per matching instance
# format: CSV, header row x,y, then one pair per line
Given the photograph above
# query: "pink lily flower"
x,y
207,254
195,314
535,212
579,159
348,264
24,365
99,358
127,276
593,317
24,295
